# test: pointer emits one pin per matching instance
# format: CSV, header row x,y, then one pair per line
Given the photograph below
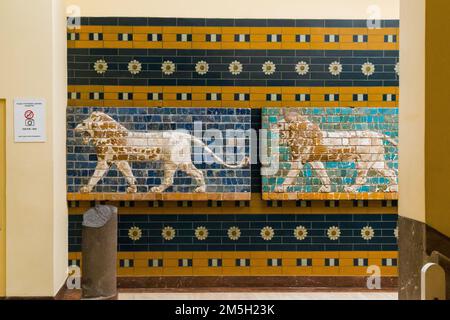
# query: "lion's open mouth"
x,y
86,137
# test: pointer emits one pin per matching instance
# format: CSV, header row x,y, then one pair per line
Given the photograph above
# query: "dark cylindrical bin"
x,y
99,253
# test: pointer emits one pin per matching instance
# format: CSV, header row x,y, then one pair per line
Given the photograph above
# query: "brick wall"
x,y
157,74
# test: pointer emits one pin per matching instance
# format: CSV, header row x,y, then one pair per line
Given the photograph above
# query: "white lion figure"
x,y
115,145
309,144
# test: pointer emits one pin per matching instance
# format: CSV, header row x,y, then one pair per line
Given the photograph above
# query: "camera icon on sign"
x,y
29,123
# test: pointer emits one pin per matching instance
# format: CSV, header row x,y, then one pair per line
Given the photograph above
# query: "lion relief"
x,y
309,144
116,145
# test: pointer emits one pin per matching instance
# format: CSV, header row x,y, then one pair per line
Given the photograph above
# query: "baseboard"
x,y
251,282
60,295
61,292
387,283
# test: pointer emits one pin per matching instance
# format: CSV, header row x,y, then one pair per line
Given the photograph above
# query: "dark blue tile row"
x,y
82,159
250,226
241,83
81,68
231,53
256,123
202,22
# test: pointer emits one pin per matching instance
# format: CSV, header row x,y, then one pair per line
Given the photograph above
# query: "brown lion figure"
x,y
116,145
309,144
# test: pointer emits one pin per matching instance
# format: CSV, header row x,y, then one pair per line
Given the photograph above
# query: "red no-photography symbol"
x,y
29,114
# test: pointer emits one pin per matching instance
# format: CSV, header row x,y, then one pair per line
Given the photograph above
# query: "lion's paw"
x,y
157,190
325,189
392,189
132,189
85,189
201,189
350,189
279,189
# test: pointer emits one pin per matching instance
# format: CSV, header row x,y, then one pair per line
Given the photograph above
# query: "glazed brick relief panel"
x,y
251,232
327,90
252,245
331,150
153,139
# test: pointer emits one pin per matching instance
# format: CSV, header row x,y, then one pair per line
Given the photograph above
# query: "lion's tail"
x,y
391,141
244,163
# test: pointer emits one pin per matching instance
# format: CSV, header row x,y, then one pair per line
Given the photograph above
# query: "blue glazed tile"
x,y
135,21
103,21
282,247
219,67
220,22
243,240
133,218
338,23
133,248
310,23
193,247
252,247
141,122
250,240
333,247
281,23
389,248
82,159
191,22
367,247
310,247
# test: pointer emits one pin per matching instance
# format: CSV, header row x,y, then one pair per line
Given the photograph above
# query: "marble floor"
x,y
281,294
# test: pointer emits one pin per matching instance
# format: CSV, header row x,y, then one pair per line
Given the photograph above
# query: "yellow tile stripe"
x,y
257,206
185,196
330,196
258,263
257,96
258,38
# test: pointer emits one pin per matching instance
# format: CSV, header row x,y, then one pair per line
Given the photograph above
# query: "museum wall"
x,y
34,60
321,90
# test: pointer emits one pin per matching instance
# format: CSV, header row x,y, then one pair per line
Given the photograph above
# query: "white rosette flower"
x,y
235,68
367,233
234,233
300,233
368,69
101,66
302,68
168,68
397,68
168,233
269,68
201,233
335,68
334,233
135,233
202,67
135,67
267,233
396,232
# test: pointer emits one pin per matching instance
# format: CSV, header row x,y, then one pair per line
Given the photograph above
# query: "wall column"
x,y
424,136
33,56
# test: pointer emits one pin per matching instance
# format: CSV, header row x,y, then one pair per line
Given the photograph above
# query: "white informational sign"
x,y
29,121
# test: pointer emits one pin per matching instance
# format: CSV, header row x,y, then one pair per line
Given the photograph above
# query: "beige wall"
x,y
424,113
60,217
412,110
296,9
33,52
437,116
2,197
32,59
